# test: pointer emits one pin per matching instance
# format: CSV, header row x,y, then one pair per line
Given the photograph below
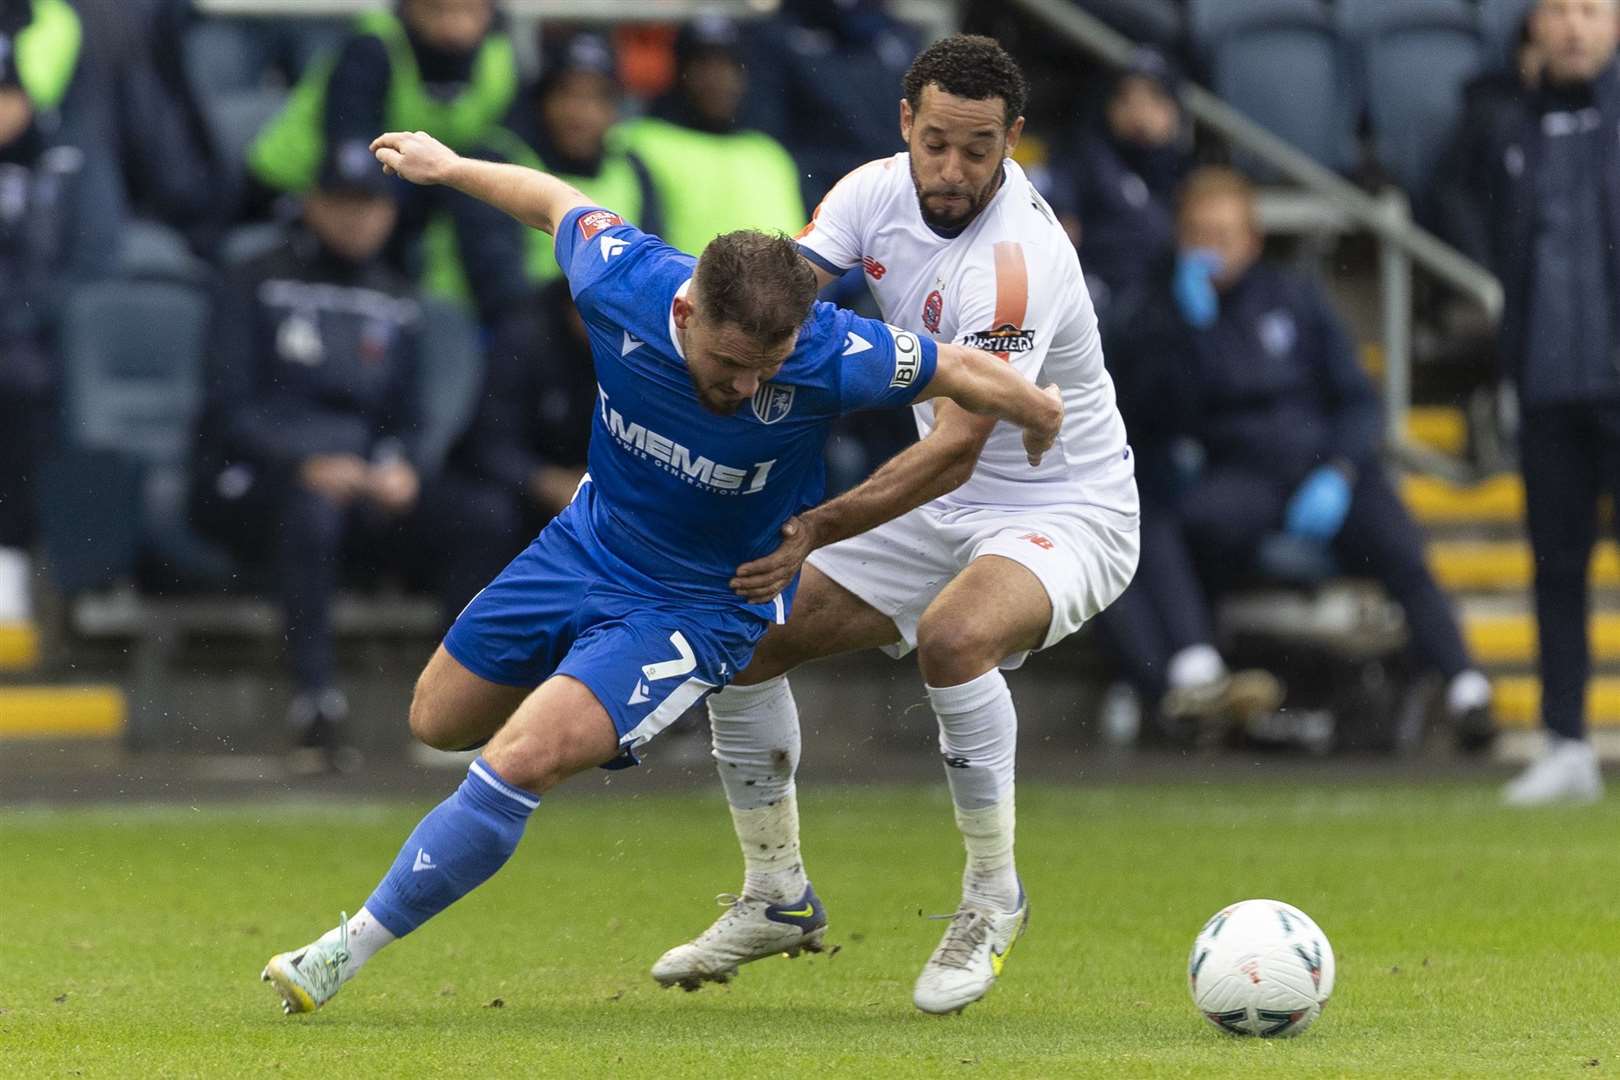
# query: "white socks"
x,y
1196,665
978,739
1467,690
15,574
366,936
756,749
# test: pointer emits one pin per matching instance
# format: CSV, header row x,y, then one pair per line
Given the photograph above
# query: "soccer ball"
x,y
1260,967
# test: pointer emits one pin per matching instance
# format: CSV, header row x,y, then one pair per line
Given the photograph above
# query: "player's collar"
x,y
674,331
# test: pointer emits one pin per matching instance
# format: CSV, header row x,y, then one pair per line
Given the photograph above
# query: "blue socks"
x,y
455,849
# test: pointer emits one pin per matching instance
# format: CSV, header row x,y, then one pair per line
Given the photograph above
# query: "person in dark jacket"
x,y
1549,171
307,444
527,441
1115,191
827,93
1250,365
39,47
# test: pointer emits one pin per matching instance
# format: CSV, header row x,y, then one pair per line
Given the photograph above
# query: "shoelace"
x,y
968,930
331,966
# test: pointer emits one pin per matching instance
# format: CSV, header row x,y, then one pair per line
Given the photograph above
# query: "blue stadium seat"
x,y
1501,21
132,382
149,249
234,121
1280,63
1414,57
451,375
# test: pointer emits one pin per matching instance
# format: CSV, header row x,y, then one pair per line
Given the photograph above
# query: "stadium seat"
x,y
1280,63
149,249
1414,57
1155,22
1501,21
222,57
250,241
234,120
132,382
451,375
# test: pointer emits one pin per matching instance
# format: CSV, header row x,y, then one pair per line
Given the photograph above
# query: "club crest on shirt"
x,y
594,222
772,402
1005,338
933,308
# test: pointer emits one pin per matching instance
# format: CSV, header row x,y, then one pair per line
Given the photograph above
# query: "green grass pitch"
x,y
1471,941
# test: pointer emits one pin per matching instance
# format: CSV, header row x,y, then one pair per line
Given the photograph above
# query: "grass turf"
x,y
1471,941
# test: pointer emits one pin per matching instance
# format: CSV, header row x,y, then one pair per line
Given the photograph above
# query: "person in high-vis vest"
x,y
564,124
444,66
713,176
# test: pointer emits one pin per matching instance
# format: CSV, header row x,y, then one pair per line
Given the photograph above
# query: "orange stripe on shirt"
x,y
1012,287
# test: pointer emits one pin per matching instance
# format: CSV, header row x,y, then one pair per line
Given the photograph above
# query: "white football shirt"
x,y
1009,283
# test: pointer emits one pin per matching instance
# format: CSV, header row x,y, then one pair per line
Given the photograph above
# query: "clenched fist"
x,y
415,155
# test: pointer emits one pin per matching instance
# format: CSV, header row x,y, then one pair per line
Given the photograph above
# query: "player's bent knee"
x,y
953,651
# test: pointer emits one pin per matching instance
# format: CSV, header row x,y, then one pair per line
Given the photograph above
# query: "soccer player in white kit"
x,y
994,559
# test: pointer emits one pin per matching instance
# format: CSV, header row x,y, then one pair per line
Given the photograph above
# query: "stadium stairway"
x,y
1479,554
35,710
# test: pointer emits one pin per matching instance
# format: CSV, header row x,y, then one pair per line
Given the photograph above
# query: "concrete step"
x,y
1433,501
62,712
19,647
1511,639
1506,565
1518,702
1438,427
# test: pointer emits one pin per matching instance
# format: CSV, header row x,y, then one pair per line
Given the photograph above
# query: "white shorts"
x,y
1084,558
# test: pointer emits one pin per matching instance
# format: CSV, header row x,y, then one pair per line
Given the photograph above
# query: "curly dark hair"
x,y
969,66
757,282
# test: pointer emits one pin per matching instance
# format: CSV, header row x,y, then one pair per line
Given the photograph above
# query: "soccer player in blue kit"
x,y
718,378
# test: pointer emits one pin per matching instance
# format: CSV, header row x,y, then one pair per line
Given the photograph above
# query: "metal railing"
x,y
1388,216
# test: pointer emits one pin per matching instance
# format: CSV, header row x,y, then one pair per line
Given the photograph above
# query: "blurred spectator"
x,y
528,439
164,146
1115,192
442,66
1548,171
1251,365
306,447
564,125
713,176
39,47
1492,101
827,91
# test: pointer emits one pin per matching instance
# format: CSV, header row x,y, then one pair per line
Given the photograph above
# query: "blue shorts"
x,y
562,608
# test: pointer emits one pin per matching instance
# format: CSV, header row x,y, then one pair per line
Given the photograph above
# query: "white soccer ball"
x,y
1260,967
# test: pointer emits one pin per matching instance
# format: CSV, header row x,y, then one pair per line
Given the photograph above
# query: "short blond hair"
x,y
1220,182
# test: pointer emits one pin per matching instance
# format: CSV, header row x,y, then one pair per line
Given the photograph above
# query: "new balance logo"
x,y
639,694
611,246
631,344
424,861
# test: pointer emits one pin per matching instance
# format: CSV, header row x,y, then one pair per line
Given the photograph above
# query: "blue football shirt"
x,y
680,494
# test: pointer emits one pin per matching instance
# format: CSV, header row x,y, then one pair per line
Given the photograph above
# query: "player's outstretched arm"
x,y
929,468
537,199
921,473
982,384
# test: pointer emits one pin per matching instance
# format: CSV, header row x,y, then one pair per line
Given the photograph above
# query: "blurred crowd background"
x,y
237,363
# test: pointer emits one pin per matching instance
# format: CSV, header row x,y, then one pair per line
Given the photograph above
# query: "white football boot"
x,y
750,930
1566,771
969,958
307,978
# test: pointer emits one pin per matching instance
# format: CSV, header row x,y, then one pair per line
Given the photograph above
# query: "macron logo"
x,y
631,344
639,694
424,861
855,344
611,246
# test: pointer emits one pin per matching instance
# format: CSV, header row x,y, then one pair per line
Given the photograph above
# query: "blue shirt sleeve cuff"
x,y
825,264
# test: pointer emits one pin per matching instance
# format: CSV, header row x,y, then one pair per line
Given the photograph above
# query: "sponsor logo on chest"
x,y
679,460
